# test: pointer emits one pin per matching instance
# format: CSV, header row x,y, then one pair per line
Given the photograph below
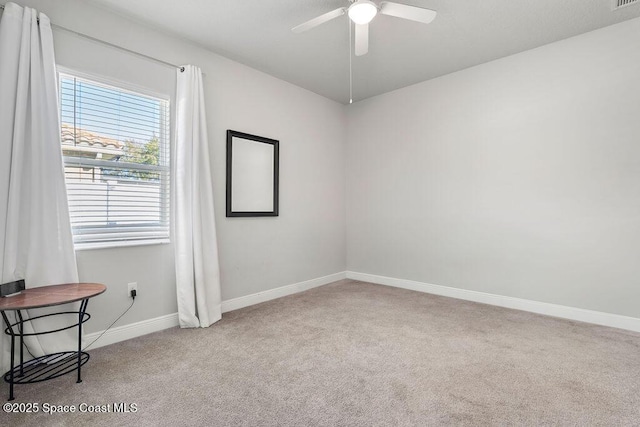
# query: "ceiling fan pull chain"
x,y
350,65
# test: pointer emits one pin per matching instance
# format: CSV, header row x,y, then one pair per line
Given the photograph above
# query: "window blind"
x,y
115,145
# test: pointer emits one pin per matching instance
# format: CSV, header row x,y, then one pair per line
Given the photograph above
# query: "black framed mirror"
x,y
252,175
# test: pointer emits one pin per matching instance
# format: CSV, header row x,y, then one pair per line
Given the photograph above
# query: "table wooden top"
x,y
46,296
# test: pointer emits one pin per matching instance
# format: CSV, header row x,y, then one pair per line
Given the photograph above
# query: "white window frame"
x,y
126,236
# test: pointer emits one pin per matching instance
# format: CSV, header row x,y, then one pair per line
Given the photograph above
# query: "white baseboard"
x,y
241,302
133,330
565,312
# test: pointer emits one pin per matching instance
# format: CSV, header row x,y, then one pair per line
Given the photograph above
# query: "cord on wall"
x,y
133,295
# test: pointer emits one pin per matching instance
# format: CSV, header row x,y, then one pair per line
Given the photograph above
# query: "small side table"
x,y
51,365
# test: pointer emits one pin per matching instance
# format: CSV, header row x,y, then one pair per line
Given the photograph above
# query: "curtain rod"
x,y
133,52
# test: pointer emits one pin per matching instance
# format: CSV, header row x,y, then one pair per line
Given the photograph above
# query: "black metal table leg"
x,y
13,349
21,331
83,309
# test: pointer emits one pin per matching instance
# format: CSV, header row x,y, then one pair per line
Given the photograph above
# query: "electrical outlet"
x,y
132,286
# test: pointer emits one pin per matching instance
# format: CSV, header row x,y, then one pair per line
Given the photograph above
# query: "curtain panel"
x,y
193,219
35,233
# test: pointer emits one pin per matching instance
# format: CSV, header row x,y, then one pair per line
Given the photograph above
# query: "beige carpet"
x,y
357,354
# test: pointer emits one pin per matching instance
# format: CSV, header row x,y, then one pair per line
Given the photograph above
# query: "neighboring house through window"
x,y
115,144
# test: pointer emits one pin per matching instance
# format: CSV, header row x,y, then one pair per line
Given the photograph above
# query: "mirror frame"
x,y
231,134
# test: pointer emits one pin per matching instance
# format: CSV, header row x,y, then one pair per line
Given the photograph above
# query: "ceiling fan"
x,y
361,12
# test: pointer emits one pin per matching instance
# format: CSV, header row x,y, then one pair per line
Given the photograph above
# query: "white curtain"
x,y
194,229
35,233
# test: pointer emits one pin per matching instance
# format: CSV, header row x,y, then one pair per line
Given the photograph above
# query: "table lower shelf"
x,y
46,367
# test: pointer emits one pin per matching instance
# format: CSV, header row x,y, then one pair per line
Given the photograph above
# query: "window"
x,y
115,144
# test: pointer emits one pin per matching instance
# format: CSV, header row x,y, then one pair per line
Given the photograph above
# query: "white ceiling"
x,y
465,33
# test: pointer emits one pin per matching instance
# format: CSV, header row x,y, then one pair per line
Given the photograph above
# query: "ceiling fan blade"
x,y
319,20
362,39
412,13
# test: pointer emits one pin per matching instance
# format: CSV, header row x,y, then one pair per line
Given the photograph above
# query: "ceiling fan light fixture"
x,y
362,12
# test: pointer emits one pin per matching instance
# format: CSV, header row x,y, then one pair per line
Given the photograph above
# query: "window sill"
x,y
120,244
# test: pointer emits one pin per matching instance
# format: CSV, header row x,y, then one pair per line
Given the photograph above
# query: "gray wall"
x,y
305,242
519,177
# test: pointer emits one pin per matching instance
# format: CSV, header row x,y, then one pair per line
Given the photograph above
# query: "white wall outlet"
x,y
131,286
